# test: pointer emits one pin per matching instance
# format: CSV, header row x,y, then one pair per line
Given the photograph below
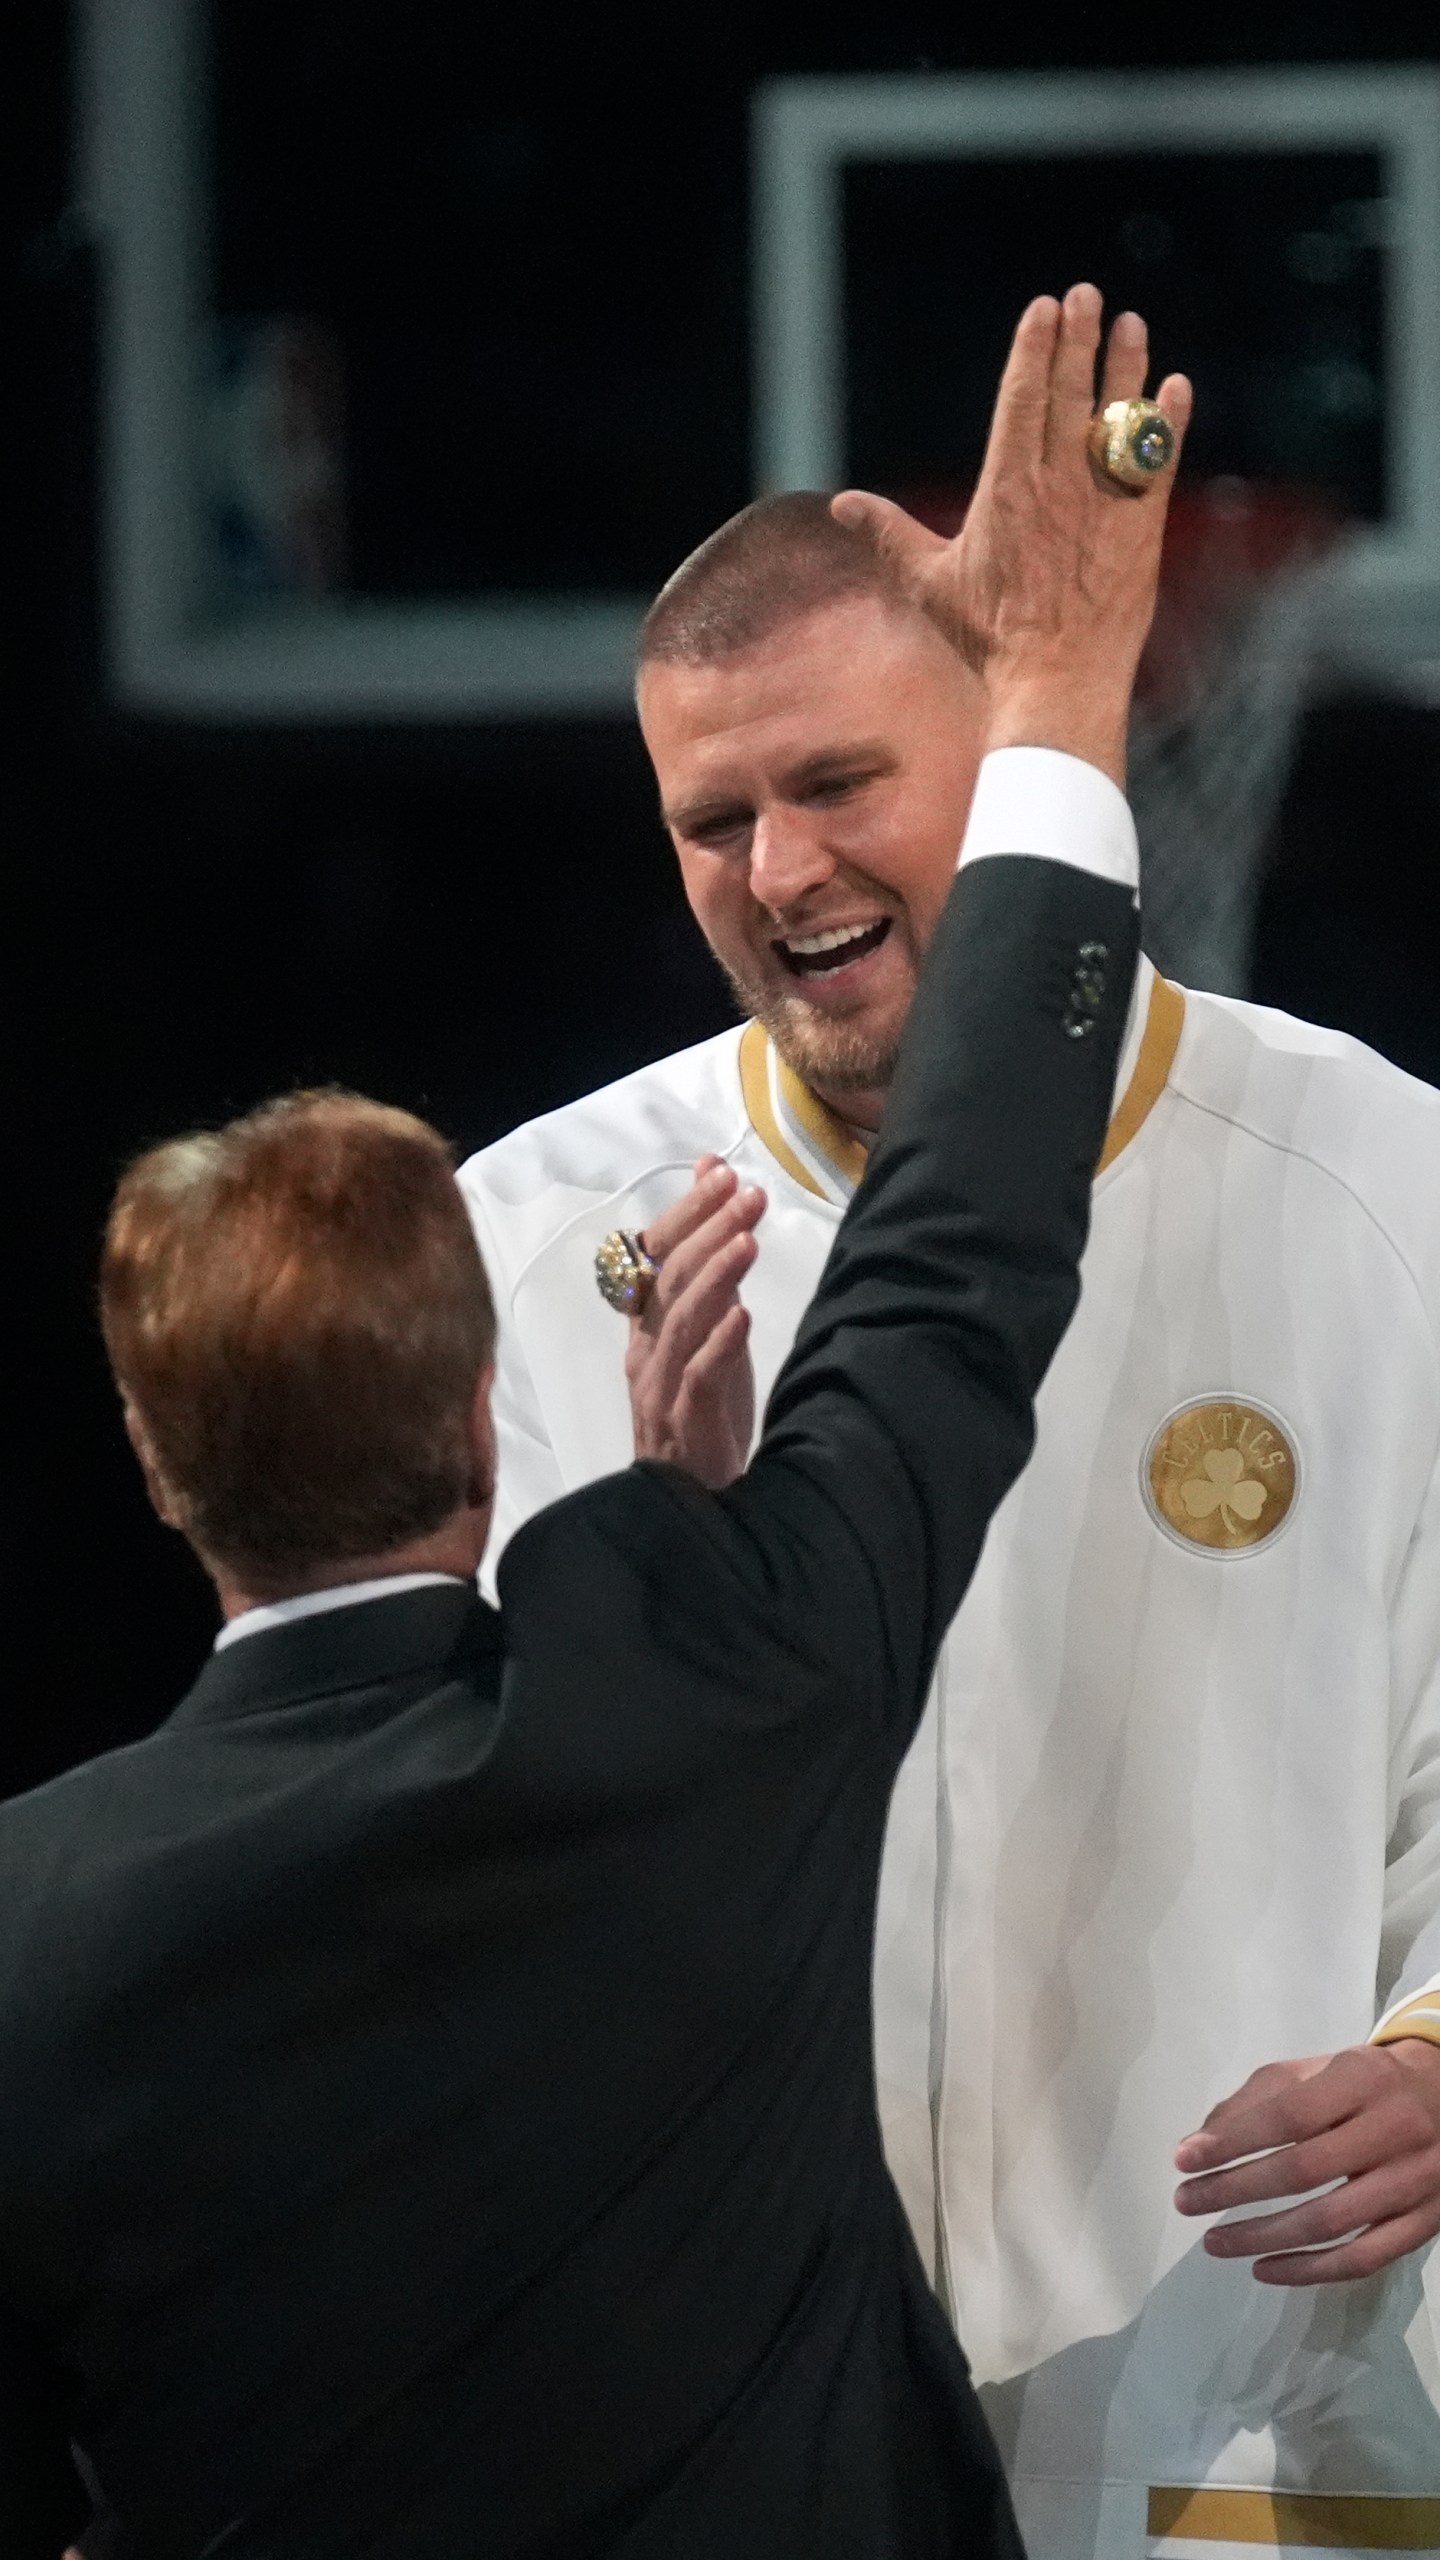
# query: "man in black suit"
x,y
436,2112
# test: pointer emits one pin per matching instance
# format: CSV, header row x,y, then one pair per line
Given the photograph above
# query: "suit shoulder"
x,y
1324,1099
59,1808
56,1842
641,1575
601,1517
647,1527
667,1112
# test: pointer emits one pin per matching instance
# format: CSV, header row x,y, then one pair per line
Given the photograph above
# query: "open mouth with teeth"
x,y
819,955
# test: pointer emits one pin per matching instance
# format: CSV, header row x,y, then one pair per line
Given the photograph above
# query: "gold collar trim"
x,y
817,1127
1307,2519
842,1151
1164,1023
755,1086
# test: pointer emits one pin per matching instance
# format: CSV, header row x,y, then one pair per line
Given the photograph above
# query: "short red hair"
x,y
296,1310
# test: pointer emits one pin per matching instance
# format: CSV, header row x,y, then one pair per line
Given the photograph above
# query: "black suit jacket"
x,y
436,2110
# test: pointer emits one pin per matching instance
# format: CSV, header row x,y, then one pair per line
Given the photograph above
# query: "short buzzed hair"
x,y
296,1310
779,559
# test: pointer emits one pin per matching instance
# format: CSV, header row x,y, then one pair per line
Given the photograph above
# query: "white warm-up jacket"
x,y
1174,1810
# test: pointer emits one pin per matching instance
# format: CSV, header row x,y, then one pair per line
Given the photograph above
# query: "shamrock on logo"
x,y
1225,1488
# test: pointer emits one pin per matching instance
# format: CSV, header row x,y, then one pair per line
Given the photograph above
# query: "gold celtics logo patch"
x,y
1221,1474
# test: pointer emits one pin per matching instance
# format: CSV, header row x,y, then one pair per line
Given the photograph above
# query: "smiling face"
x,y
816,788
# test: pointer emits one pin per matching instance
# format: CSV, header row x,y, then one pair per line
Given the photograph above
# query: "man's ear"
x,y
162,1499
480,1488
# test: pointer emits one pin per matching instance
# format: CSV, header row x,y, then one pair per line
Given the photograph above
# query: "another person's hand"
x,y
692,1387
1049,588
1368,2117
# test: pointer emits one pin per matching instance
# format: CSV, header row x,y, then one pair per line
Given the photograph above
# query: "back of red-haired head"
x,y
297,1314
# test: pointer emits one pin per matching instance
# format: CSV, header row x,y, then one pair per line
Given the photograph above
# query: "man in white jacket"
x,y
1173,1818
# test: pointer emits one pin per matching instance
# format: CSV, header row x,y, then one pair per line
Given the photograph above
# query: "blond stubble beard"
x,y
830,1057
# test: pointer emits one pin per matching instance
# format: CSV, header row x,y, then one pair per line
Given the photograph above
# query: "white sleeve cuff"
x,y
1038,800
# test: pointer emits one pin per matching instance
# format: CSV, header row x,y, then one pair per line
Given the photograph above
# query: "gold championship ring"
x,y
624,1272
1131,442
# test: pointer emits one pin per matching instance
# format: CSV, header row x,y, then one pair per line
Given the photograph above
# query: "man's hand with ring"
x,y
1363,2124
1049,588
692,1387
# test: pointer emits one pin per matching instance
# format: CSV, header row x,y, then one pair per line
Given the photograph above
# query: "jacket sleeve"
x,y
906,1409
42,2502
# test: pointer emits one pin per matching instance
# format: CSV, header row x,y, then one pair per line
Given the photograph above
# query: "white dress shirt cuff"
x,y
1041,801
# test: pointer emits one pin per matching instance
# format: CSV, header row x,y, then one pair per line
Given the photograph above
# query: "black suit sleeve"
x,y
905,1411
43,2505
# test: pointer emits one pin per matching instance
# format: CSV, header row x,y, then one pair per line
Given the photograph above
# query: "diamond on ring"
x,y
1131,442
624,1272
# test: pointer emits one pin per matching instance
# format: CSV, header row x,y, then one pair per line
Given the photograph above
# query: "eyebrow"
x,y
689,814
860,752
686,815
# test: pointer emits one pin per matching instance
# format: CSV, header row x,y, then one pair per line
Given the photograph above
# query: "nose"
x,y
787,858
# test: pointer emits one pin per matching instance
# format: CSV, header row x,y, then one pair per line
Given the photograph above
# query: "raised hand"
x,y
1049,588
692,1387
1369,2118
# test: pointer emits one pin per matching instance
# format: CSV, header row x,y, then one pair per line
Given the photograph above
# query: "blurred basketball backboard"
x,y
391,425
410,397
1279,229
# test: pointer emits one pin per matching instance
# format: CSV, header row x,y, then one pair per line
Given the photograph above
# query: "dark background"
x,y
477,923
